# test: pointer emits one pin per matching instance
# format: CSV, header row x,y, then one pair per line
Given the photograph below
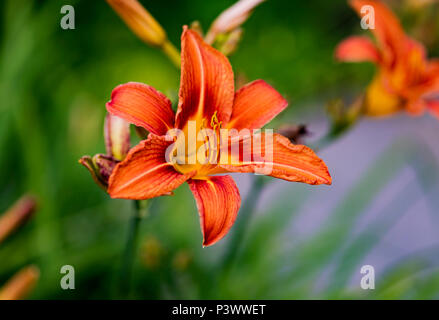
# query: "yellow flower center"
x,y
197,148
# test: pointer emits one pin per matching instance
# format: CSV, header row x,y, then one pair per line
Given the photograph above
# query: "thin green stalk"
x,y
130,250
172,53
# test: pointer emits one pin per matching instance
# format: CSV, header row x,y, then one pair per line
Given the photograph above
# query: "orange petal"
x,y
145,173
357,49
413,68
388,31
255,105
206,82
279,158
143,106
218,202
432,78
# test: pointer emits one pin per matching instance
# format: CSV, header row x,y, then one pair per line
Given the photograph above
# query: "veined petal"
x,y
145,173
255,105
206,84
388,31
276,156
357,49
218,202
143,106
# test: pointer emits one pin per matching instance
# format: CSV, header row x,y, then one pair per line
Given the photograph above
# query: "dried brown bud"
x,y
100,167
105,164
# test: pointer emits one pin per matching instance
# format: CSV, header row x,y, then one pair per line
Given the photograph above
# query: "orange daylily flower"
x,y
207,97
406,79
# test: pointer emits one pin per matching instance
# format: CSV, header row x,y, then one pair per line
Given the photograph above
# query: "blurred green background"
x,y
53,87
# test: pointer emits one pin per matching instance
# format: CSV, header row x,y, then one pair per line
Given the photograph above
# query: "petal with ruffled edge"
x,y
206,84
145,173
256,104
357,49
218,202
276,156
143,106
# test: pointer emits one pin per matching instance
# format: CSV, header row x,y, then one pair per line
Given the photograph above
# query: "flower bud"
x,y
117,137
117,145
196,26
105,165
18,214
20,285
140,21
231,41
231,19
100,167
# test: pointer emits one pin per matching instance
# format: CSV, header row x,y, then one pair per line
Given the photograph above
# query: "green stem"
x,y
130,250
172,53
